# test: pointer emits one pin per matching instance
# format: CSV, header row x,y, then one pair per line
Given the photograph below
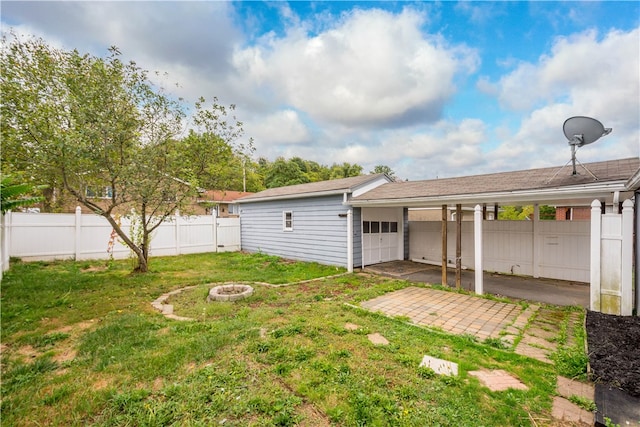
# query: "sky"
x,y
430,89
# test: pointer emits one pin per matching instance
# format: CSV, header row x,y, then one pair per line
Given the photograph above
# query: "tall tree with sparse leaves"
x,y
99,125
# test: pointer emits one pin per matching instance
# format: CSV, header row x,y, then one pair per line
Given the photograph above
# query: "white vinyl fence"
x,y
46,236
554,249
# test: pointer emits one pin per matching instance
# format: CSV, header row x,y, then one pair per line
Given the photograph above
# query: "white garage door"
x,y
381,235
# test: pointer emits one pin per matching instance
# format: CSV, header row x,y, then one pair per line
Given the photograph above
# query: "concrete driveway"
x,y
550,291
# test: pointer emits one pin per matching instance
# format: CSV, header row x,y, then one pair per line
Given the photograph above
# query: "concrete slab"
x,y
440,366
556,292
498,380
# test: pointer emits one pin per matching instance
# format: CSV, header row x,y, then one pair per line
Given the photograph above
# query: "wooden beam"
x,y
444,245
458,246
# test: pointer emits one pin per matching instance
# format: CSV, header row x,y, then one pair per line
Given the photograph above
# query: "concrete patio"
x,y
549,291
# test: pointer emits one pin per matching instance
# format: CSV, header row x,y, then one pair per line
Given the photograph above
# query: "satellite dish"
x,y
581,130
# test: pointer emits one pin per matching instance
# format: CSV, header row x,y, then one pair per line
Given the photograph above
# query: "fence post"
x,y
78,233
5,237
177,231
596,236
214,216
626,305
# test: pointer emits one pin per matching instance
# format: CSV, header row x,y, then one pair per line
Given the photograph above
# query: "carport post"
x,y
444,245
458,246
477,242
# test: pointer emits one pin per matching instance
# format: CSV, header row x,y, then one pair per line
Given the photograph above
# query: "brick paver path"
x,y
450,311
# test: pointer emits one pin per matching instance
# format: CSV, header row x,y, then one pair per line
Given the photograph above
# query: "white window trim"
x,y
284,221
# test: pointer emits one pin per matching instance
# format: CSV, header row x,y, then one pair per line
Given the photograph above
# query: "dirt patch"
x,y
312,416
101,384
27,351
613,350
65,355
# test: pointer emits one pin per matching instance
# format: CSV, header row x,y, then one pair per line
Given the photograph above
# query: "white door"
x,y
381,236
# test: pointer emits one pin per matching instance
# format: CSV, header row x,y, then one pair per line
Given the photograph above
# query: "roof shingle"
x,y
334,185
532,179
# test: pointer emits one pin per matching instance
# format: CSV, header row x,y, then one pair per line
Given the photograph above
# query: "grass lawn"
x,y
82,345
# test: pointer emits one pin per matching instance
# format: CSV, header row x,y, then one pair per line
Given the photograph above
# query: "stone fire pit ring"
x,y
230,292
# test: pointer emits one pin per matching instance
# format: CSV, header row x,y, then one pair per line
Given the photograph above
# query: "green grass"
x,y
82,345
571,359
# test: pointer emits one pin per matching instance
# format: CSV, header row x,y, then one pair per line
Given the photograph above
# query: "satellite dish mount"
x,y
581,130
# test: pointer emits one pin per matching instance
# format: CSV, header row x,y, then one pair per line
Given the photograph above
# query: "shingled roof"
x,y
334,186
543,180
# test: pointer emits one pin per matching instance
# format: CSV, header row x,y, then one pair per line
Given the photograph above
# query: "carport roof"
x,y
544,185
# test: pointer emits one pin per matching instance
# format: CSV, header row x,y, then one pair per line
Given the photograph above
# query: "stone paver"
x,y
564,410
568,388
498,380
351,327
466,314
440,366
377,339
452,312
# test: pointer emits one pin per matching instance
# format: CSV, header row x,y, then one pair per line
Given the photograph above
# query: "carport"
x,y
550,249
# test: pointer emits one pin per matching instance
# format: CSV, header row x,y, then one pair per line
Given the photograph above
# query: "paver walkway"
x,y
467,314
450,311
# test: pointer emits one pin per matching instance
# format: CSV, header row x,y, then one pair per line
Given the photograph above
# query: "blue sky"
x,y
431,89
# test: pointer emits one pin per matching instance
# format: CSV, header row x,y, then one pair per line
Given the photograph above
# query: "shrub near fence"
x,y
45,236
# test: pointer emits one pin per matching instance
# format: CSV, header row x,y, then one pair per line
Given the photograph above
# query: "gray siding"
x,y
319,233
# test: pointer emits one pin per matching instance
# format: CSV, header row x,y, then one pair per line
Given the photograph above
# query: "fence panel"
x,y
43,236
508,246
228,234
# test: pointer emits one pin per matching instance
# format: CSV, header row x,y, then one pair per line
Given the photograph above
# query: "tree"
x,y
283,172
14,195
345,170
520,213
384,169
89,123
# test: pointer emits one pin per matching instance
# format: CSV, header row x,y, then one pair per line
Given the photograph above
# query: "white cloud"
x,y
582,75
281,128
372,68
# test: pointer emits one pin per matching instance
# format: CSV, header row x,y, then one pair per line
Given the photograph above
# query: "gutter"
x,y
504,196
294,196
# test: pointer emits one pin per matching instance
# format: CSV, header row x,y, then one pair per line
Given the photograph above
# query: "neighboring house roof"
x,y
222,196
315,189
533,185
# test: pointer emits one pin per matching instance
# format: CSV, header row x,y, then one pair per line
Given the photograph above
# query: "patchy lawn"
x,y
81,345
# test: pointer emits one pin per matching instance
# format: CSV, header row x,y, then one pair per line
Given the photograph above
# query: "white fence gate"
x,y
45,236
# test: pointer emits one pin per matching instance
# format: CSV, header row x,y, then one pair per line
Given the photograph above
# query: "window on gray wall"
x,y
287,221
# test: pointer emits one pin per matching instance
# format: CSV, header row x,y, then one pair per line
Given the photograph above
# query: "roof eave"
x,y
295,196
593,191
634,182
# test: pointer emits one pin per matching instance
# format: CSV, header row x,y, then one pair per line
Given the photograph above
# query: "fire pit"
x,y
230,292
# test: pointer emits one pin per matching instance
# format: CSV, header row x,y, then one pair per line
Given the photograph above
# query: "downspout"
x,y
350,241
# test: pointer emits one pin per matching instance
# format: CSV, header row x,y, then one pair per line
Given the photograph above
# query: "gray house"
x,y
363,220
315,222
